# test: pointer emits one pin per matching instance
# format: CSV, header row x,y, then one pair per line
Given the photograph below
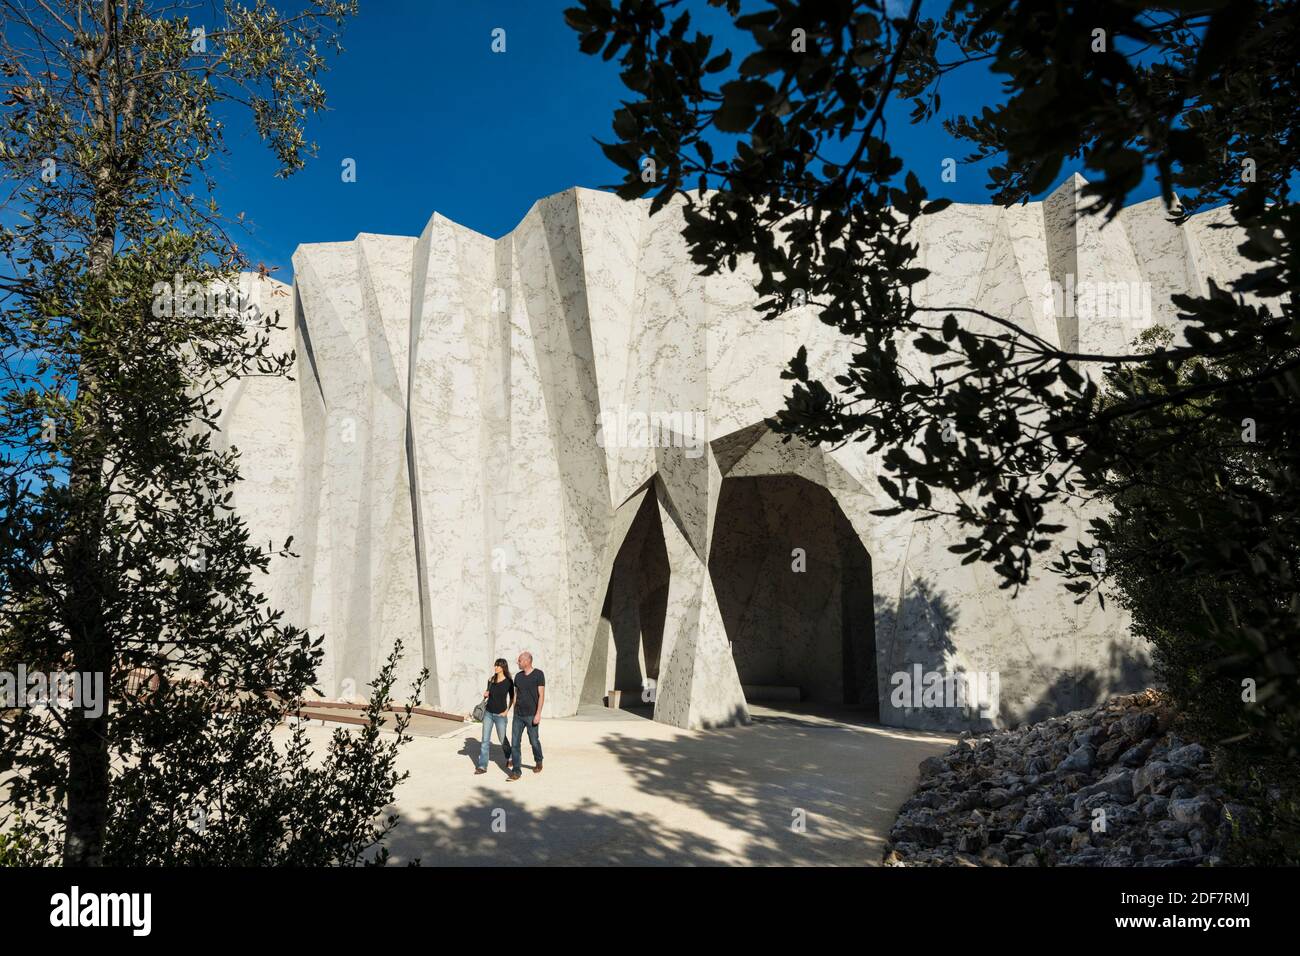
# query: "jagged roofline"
x,y
1074,180
442,425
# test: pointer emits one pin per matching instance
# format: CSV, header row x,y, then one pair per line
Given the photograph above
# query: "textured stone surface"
x,y
1077,815
459,460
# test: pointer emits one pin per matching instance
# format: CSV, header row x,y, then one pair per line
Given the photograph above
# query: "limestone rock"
x,y
980,805
1080,760
1189,756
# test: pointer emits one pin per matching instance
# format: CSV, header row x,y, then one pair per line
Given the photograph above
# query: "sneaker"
x,y
513,776
479,770
538,767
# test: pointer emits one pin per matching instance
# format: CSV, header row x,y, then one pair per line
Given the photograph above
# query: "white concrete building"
x,y
554,441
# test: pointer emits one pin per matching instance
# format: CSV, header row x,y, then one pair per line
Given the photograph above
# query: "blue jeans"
x,y
491,720
517,738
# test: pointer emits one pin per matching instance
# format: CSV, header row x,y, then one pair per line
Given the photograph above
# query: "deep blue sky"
x,y
438,122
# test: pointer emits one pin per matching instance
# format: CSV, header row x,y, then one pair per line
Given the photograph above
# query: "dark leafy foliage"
x,y
814,195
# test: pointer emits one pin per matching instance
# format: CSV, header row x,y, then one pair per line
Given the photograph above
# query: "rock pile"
x,y
1110,786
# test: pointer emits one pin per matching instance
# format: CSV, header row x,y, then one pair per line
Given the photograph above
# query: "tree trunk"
x,y
91,639
88,780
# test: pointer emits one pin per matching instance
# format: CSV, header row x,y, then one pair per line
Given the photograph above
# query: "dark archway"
x,y
793,583
631,634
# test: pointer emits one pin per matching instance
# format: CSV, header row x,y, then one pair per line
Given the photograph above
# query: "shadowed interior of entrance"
x,y
793,583
631,632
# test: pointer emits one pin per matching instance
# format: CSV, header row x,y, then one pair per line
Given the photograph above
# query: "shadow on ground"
x,y
500,831
842,783
792,788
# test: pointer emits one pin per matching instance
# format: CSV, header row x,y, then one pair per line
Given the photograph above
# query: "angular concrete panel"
x,y
479,428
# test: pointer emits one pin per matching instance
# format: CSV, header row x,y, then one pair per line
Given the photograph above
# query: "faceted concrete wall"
x,y
460,462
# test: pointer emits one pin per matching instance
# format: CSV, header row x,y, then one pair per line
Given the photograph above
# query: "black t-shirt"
x,y
526,691
499,695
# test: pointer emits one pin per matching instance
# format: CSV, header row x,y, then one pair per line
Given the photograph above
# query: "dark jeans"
x,y
517,738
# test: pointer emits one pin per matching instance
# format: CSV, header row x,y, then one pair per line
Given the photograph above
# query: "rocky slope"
x,y
1110,786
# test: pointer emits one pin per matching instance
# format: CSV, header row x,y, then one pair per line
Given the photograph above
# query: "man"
x,y
530,694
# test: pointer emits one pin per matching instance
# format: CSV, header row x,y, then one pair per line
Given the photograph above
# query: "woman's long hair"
x,y
502,663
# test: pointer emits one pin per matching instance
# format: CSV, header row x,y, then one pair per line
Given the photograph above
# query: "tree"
x,y
813,193
122,557
1157,503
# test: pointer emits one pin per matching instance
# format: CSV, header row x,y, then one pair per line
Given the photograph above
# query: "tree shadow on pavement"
x,y
499,831
799,791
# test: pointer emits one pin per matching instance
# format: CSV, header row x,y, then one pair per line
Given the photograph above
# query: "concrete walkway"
x,y
619,789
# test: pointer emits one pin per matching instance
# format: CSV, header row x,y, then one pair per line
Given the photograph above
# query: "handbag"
x,y
479,711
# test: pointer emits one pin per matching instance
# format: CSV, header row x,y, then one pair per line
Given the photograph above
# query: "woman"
x,y
498,697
